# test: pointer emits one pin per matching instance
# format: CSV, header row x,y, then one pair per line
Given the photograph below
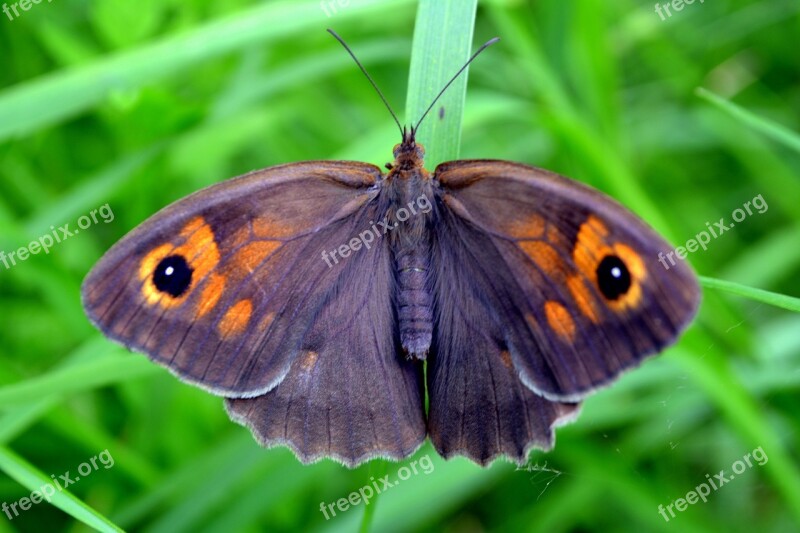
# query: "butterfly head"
x,y
409,153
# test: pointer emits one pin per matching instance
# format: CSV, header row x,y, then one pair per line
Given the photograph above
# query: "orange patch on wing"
x,y
198,248
560,321
272,227
597,225
241,237
591,247
583,297
532,323
236,319
505,357
555,237
192,226
531,227
212,292
309,359
252,256
545,256
266,322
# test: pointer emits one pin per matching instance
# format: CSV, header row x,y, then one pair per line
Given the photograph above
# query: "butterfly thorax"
x,y
409,199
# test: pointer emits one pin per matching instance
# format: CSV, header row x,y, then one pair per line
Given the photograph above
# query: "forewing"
x,y
538,241
258,279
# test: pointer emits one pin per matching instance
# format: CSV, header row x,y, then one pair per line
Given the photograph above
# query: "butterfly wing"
x,y
571,280
349,396
479,407
251,250
308,342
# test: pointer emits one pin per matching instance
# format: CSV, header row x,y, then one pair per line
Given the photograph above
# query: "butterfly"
x,y
323,299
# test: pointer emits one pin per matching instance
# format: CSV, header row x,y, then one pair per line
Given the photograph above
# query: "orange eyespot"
x,y
613,277
616,270
638,273
147,267
170,272
632,260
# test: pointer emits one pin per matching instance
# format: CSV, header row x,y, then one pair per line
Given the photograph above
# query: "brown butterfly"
x,y
309,295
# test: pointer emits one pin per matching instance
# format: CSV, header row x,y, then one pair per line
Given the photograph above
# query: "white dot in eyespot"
x,y
169,271
615,272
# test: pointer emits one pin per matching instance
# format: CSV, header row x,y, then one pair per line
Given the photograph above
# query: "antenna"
x,y
485,45
375,85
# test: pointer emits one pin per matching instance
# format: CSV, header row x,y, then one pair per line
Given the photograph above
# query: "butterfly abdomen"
x,y
414,302
410,206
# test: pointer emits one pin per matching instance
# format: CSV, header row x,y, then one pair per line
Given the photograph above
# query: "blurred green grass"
x,y
138,106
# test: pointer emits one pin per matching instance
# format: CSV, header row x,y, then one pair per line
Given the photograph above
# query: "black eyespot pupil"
x,y
613,277
173,276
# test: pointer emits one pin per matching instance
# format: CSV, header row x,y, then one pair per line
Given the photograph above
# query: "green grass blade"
x,y
747,416
769,128
75,378
33,479
92,192
369,510
778,300
442,44
20,418
44,101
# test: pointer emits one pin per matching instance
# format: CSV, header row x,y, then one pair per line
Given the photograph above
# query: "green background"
x,y
137,104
